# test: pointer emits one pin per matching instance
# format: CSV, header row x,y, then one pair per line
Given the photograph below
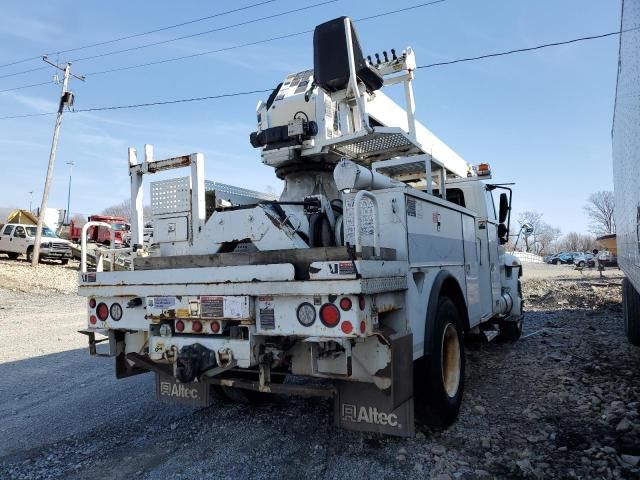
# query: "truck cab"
x,y
101,234
18,239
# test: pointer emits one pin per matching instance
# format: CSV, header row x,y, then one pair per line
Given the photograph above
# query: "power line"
x,y
171,40
25,86
170,102
468,59
257,42
149,32
520,50
238,46
147,104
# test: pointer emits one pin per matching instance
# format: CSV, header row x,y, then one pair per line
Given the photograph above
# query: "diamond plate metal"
x,y
378,285
375,143
237,195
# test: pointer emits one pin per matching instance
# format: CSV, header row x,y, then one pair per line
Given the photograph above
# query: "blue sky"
x,y
542,119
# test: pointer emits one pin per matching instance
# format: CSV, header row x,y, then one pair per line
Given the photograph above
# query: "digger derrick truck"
x,y
382,252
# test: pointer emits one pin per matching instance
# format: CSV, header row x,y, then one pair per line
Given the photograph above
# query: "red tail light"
x,y
93,319
361,302
346,327
179,326
215,327
345,303
329,315
363,327
196,326
102,311
92,303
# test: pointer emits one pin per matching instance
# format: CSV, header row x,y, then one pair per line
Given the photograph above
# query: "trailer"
x,y
384,250
626,167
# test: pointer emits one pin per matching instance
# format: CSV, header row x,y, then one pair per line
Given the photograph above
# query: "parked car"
x,y
561,258
584,259
18,239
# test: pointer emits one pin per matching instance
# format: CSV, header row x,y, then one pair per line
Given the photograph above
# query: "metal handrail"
x,y
356,221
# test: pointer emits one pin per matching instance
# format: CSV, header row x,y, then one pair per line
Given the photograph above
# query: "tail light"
x,y
329,315
363,327
92,303
179,326
215,327
306,314
196,326
102,311
346,327
93,319
361,302
345,303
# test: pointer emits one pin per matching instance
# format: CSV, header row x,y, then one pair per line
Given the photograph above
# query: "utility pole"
x,y
69,192
66,100
30,201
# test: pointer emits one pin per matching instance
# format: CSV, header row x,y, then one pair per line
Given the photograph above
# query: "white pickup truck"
x,y
18,239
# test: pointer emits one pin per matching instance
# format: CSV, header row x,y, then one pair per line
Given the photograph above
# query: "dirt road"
x,y
564,402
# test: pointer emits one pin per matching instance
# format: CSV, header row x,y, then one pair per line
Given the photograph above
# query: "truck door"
x,y
19,240
492,244
472,270
5,238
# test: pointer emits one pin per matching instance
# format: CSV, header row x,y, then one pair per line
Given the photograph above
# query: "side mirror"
x,y
502,233
504,208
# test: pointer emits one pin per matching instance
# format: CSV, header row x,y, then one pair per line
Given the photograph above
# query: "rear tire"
x,y
64,261
581,263
631,312
30,254
555,261
439,377
13,255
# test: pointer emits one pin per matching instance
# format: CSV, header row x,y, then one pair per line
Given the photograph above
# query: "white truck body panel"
x,y
626,147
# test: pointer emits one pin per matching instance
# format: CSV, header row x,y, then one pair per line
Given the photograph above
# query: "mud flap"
x,y
364,407
195,394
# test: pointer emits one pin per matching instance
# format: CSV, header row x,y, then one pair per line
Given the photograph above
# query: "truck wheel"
x,y
13,255
439,377
631,312
30,254
64,261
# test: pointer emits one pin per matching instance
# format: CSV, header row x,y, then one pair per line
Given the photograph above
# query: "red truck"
x,y
102,234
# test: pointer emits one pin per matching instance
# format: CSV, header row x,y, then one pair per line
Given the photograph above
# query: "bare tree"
x,y
600,209
122,209
542,237
577,242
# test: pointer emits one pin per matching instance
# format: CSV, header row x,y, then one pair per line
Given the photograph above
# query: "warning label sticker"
x,y
164,302
211,307
346,268
266,308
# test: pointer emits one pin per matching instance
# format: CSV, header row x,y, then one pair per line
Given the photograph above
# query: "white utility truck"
x,y
382,252
18,239
626,167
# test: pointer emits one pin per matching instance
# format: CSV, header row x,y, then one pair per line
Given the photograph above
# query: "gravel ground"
x,y
563,402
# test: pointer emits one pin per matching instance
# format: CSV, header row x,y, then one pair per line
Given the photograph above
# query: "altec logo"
x,y
178,390
353,413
